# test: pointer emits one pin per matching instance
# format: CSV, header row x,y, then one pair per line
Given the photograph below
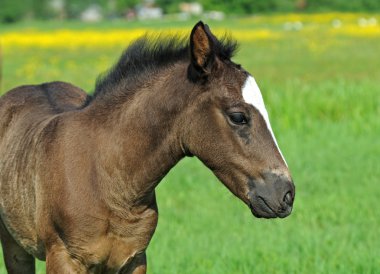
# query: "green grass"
x,y
323,96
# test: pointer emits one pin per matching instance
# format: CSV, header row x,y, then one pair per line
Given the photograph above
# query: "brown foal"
x,y
78,172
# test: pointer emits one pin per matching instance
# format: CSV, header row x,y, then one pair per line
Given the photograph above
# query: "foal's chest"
x,y
124,241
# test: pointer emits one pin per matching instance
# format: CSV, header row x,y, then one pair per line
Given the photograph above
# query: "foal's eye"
x,y
238,118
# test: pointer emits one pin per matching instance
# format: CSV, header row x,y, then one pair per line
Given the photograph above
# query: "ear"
x,y
202,52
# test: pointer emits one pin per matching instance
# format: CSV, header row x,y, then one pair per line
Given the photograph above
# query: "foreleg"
x,y
17,260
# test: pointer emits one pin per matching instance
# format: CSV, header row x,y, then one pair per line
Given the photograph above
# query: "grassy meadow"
x,y
321,84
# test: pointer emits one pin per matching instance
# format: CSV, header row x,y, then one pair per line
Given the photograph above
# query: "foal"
x,y
78,173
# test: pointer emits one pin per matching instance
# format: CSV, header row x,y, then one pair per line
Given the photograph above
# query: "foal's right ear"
x,y
201,51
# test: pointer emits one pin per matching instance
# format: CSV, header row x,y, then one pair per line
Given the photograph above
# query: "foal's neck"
x,y
140,139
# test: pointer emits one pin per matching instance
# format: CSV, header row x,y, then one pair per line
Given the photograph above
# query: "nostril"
x,y
288,198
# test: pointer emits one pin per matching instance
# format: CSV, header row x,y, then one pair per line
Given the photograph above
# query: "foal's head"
x,y
228,129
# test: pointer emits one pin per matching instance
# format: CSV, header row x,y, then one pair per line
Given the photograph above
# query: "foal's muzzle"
x,y
272,196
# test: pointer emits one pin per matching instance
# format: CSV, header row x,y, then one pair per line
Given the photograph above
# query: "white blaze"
x,y
252,95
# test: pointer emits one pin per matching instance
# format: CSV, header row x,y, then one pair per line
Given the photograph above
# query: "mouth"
x,y
261,209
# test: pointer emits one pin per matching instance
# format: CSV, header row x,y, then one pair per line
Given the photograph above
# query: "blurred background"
x,y
317,64
97,10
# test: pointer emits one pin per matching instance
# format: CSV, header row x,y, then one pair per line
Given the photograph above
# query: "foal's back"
x,y
26,114
26,107
53,98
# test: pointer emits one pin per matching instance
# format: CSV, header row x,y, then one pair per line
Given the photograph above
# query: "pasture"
x,y
321,84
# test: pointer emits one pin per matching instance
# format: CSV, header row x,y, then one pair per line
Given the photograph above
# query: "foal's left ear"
x,y
202,52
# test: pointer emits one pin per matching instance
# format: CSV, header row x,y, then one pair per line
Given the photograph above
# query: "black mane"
x,y
148,55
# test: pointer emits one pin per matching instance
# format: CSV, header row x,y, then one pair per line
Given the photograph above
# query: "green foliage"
x,y
260,6
234,7
41,9
343,5
122,5
74,8
169,6
11,11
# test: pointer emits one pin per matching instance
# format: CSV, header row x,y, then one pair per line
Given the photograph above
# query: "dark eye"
x,y
238,118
